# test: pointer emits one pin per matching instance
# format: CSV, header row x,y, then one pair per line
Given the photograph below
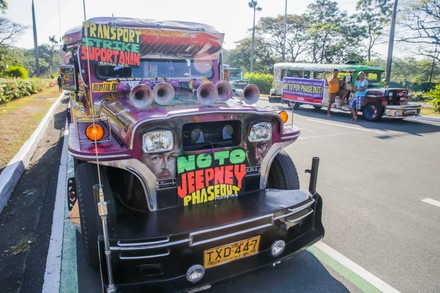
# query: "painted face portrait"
x,y
163,165
257,151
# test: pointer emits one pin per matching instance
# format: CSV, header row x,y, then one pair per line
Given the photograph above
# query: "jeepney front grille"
x,y
206,135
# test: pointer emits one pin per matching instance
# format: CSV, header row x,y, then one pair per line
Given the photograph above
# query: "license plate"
x,y
229,252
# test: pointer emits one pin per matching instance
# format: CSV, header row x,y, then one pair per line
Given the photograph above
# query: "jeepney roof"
x,y
325,67
193,33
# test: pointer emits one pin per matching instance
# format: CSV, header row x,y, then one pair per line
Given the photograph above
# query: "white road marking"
x,y
354,267
432,201
53,261
346,126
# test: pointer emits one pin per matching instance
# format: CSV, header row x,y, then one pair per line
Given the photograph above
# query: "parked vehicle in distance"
x,y
306,84
235,78
177,183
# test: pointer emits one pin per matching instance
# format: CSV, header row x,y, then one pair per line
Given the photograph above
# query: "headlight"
x,y
260,132
157,141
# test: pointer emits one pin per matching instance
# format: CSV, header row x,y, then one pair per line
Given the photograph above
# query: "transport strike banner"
x,y
109,45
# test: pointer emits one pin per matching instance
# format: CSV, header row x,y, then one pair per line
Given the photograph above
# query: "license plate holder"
x,y
226,253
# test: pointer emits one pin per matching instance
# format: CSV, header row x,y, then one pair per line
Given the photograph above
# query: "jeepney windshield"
x,y
235,74
162,68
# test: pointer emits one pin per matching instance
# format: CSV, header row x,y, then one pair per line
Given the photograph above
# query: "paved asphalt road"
x,y
373,178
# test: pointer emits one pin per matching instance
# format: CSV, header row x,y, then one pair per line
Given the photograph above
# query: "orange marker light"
x,y
284,116
94,132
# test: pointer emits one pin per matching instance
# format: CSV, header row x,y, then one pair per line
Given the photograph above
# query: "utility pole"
x,y
285,32
254,5
36,52
391,43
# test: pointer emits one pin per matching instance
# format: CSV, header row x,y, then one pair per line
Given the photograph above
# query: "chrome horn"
x,y
141,96
224,90
163,93
207,93
250,94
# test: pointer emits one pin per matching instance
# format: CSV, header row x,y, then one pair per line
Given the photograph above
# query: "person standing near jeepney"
x,y
333,89
360,90
59,83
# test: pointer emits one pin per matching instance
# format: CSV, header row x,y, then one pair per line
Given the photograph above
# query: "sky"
x,y
232,17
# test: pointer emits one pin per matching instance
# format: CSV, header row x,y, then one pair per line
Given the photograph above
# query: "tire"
x,y
86,176
283,174
317,107
372,111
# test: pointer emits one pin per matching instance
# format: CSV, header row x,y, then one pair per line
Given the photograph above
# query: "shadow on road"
x,y
417,126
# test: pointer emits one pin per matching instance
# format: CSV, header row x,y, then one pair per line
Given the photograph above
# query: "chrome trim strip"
x,y
144,243
161,245
228,235
143,257
300,218
76,156
230,225
191,235
294,211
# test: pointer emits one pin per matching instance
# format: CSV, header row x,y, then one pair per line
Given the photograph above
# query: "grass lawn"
x,y
19,119
429,111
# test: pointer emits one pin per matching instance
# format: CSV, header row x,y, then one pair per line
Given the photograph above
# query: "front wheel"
x,y
372,111
283,174
86,176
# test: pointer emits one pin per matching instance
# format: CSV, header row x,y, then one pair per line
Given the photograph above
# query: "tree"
x,y
53,43
3,5
332,35
240,56
9,31
422,18
374,15
271,32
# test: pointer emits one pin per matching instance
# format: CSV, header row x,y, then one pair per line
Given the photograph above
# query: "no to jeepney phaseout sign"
x,y
210,176
110,45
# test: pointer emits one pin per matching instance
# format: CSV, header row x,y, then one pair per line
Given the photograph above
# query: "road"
x,y
374,178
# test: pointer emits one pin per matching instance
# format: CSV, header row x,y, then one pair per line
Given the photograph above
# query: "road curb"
x,y
10,176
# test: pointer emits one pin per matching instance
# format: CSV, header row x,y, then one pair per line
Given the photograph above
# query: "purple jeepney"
x,y
178,184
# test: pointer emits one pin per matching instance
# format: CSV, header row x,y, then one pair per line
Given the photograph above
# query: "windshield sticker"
x,y
68,81
109,45
210,176
105,86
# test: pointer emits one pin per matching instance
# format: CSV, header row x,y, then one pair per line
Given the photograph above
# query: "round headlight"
x,y
227,131
197,136
277,247
195,273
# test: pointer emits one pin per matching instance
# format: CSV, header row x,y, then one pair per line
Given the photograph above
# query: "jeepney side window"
x,y
295,73
318,74
306,74
372,76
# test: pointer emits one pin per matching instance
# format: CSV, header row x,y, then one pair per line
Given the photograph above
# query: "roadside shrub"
x,y
14,88
263,81
16,71
435,97
419,97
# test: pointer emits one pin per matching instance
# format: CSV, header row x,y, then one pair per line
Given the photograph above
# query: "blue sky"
x,y
232,17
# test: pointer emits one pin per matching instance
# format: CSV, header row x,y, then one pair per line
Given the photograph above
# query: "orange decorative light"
x,y
284,116
94,132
